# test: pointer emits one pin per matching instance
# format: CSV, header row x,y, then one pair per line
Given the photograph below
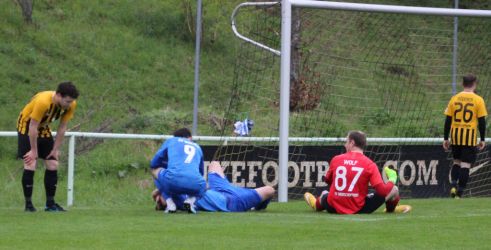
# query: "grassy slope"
x,y
133,62
433,224
127,58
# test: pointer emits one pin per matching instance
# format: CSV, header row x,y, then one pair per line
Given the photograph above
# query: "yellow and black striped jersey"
x,y
465,108
42,109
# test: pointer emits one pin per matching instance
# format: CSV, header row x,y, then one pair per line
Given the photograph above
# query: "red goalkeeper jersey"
x,y
348,177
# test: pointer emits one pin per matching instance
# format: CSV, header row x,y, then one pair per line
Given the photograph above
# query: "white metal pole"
x,y
71,170
455,46
286,26
196,67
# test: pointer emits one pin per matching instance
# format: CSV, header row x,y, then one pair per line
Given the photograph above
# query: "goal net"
x,y
389,75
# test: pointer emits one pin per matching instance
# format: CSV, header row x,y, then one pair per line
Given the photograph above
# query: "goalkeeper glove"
x,y
391,174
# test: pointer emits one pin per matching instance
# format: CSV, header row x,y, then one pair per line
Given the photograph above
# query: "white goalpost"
x,y
285,55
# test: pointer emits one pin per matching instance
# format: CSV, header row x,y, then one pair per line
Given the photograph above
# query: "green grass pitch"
x,y
433,224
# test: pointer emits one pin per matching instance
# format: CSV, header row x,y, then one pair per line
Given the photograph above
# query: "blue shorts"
x,y
170,186
178,199
239,199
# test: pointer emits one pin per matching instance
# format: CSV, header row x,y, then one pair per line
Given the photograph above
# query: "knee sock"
x,y
27,182
321,203
455,173
262,205
391,205
463,178
50,182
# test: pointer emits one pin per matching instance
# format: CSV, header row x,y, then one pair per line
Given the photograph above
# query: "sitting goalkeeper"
x,y
222,196
349,176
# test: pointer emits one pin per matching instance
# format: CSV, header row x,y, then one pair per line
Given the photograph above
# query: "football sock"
x,y
262,205
455,172
27,182
50,182
321,202
391,205
463,178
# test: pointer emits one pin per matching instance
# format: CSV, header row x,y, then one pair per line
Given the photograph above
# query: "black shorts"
x,y
372,203
45,145
466,154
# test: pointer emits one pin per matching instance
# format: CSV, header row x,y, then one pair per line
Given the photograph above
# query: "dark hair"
x,y
359,138
469,80
67,89
182,132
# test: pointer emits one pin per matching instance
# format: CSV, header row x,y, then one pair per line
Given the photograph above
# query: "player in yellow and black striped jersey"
x,y
35,140
466,113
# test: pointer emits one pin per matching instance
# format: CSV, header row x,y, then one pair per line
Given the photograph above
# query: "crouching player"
x,y
177,169
222,196
349,176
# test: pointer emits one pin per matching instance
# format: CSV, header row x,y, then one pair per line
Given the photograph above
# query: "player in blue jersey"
x,y
177,168
222,196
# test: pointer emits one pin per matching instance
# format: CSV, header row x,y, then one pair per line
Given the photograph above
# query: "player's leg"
x,y
162,183
50,174
469,155
266,193
319,203
455,171
391,203
463,178
373,201
215,167
24,146
160,204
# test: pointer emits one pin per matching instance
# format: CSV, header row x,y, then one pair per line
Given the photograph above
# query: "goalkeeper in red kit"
x,y
349,176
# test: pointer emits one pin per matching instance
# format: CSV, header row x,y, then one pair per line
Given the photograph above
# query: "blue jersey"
x,y
225,197
180,156
212,201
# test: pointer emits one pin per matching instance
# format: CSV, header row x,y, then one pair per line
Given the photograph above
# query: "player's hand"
x,y
30,158
446,145
482,145
53,155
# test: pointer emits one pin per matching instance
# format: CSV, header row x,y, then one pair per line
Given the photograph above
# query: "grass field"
x,y
433,224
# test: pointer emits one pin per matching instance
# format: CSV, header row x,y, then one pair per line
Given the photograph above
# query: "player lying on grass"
x,y
349,176
222,196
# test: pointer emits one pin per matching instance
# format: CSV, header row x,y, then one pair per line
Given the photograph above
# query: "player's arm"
x,y
202,166
449,112
387,190
328,177
482,131
40,107
446,132
31,156
60,134
481,122
161,157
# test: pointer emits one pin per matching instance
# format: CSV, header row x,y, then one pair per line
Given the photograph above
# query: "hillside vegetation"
x,y
133,62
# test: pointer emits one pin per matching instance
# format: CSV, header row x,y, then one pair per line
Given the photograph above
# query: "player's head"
x,y
469,81
66,93
183,132
355,140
